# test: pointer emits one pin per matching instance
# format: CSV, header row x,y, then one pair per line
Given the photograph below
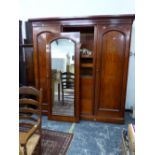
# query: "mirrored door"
x,y
63,70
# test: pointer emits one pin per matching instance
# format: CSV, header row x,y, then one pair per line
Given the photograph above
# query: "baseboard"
x,y
117,120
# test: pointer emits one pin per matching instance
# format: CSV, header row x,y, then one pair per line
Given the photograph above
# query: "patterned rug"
x,y
55,143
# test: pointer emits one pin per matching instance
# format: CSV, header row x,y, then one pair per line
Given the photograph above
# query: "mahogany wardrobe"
x,y
93,54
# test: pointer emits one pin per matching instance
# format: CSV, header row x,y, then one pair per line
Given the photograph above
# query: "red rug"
x,y
55,143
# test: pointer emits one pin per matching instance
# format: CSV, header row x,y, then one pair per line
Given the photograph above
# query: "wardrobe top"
x,y
99,17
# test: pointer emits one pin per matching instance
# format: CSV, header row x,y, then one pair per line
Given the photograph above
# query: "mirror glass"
x,y
62,76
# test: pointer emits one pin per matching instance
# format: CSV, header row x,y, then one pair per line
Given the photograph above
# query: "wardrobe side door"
x,y
111,70
40,60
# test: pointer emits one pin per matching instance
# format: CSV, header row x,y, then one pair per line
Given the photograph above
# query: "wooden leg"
x,y
40,148
25,151
40,141
62,97
59,92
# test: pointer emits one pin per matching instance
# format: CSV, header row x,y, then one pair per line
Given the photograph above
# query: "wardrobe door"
x,y
57,54
63,75
111,71
40,60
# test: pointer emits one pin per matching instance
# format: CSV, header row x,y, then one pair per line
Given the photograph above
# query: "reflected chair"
x,y
67,86
30,100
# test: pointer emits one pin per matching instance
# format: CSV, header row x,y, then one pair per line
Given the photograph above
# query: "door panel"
x,y
44,73
63,42
42,64
40,61
86,91
111,70
112,63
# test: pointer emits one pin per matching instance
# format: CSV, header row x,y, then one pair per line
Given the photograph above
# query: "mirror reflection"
x,y
62,68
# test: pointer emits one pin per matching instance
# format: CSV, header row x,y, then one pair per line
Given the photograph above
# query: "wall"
x,y
63,8
50,8
130,98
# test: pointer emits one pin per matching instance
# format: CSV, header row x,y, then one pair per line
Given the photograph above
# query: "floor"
x,y
91,138
66,109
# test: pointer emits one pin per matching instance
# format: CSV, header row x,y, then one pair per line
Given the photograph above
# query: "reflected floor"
x,y
66,108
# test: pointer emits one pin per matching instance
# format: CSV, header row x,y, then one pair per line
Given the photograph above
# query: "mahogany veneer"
x,y
103,75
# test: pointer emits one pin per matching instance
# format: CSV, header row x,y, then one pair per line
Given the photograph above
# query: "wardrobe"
x,y
100,55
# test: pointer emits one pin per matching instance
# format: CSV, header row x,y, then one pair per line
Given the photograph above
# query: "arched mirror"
x,y
63,77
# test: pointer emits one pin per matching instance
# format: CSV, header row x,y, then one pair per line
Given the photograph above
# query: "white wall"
x,y
65,8
130,97
50,8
